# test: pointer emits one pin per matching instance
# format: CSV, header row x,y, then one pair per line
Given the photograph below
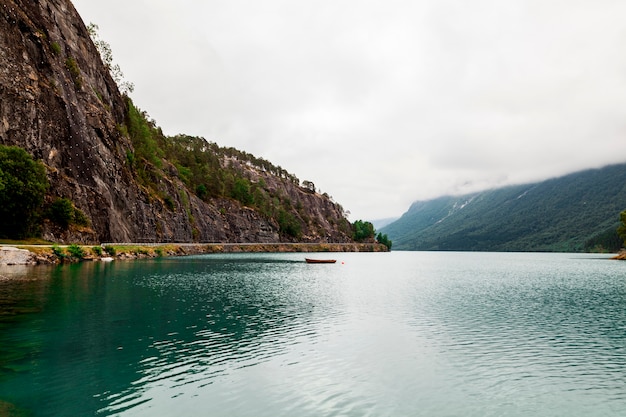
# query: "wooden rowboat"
x,y
320,261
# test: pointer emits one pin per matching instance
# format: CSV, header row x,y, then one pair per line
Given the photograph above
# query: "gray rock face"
x,y
59,102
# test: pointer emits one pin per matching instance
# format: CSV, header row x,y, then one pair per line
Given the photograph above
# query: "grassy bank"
x,y
50,254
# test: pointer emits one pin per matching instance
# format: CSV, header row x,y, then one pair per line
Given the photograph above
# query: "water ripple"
x,y
401,334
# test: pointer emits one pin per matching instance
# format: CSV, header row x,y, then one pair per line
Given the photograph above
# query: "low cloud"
x,y
382,103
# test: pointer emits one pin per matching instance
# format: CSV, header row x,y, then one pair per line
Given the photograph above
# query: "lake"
x,y
376,334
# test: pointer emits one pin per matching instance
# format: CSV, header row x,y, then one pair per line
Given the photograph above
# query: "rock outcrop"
x,y
15,256
59,102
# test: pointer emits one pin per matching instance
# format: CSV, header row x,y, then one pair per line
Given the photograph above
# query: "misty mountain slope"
x,y
559,214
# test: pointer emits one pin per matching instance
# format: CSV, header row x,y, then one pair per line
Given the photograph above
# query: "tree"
x,y
103,47
309,186
622,229
363,231
61,212
201,191
384,239
23,184
288,224
241,191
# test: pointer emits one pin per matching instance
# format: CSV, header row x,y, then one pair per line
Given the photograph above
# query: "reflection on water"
x,y
429,334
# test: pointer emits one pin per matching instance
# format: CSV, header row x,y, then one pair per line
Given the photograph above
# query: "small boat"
x,y
320,261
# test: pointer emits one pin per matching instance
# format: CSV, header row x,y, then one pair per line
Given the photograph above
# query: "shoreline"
x,y
621,256
56,254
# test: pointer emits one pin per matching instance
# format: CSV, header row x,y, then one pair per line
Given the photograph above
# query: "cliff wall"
x,y
59,102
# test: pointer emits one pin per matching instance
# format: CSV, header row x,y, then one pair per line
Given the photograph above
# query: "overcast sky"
x,y
383,102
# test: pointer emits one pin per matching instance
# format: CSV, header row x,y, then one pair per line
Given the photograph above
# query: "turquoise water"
x,y
396,334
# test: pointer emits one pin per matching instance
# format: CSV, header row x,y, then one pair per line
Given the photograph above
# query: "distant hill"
x,y
574,213
380,223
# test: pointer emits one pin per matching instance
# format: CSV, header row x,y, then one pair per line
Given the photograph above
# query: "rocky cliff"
x,y
59,102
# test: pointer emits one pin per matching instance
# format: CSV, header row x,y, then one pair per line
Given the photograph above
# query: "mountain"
x,y
567,214
107,161
380,223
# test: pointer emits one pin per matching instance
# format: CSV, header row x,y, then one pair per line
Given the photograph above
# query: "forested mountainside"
x,y
111,173
577,212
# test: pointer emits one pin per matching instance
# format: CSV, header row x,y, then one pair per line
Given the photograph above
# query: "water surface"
x,y
392,334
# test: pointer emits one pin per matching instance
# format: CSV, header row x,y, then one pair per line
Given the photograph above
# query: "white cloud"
x,y
381,103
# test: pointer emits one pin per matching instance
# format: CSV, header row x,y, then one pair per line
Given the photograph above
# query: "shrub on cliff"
x,y
63,213
288,224
23,184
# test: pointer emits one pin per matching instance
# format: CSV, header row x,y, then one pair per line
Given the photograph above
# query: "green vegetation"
x,y
56,48
210,172
80,219
72,253
72,66
288,224
145,136
104,49
574,213
362,231
605,242
76,252
23,184
59,252
308,186
63,213
621,230
384,240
